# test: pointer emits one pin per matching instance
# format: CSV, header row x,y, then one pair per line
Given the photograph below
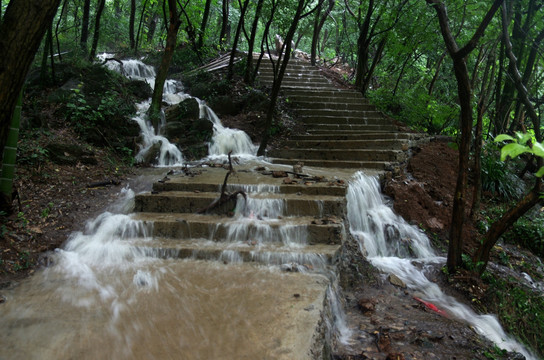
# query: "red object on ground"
x,y
431,306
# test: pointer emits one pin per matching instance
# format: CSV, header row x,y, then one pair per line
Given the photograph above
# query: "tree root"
x,y
224,197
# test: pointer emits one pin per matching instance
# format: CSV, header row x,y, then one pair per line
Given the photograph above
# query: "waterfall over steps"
x,y
152,278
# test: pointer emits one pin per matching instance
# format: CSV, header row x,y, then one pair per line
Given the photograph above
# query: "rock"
x,y
188,109
395,280
152,154
366,306
140,89
394,356
297,168
279,174
70,154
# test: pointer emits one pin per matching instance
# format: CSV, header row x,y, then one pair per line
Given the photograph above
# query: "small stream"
x,y
395,247
102,297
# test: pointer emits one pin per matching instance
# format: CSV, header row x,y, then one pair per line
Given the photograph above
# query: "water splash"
x,y
224,139
393,246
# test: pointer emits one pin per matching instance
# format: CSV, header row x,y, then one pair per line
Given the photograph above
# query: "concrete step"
x,y
374,167
392,144
359,111
281,205
251,182
290,82
312,257
384,135
324,128
371,119
300,99
335,105
308,230
333,93
340,154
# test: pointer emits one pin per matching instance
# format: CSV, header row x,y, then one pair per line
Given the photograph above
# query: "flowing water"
x,y
396,247
112,293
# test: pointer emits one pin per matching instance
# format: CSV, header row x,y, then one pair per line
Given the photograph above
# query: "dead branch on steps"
x,y
224,197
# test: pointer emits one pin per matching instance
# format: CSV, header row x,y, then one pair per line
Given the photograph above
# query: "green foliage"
x,y
418,110
47,210
520,310
497,176
529,233
522,143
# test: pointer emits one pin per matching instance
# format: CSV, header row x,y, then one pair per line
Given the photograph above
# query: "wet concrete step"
x,y
359,111
325,128
376,119
252,182
333,93
393,144
309,257
370,166
327,100
384,135
280,204
335,105
340,154
308,230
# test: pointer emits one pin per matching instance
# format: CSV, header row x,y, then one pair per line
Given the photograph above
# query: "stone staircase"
x,y
343,129
294,228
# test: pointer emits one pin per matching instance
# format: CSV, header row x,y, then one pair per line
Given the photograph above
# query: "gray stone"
x,y
395,280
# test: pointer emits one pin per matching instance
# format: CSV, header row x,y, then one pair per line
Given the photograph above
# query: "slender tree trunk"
x,y
478,137
319,22
230,68
131,25
499,227
224,36
99,10
171,35
62,17
21,31
277,80
44,78
363,43
458,56
9,158
85,26
436,73
204,23
377,58
249,65
140,26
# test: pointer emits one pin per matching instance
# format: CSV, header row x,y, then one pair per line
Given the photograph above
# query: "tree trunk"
x,y
9,158
363,43
224,36
99,10
377,58
478,137
171,35
44,77
481,256
319,22
204,23
21,31
230,68
249,65
458,56
131,25
277,80
85,26
140,26
62,17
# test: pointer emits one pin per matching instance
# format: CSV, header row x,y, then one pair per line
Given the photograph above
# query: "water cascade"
x,y
224,139
396,247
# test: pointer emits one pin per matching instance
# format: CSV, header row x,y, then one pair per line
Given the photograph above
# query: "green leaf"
x,y
523,137
513,150
504,137
540,172
538,149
